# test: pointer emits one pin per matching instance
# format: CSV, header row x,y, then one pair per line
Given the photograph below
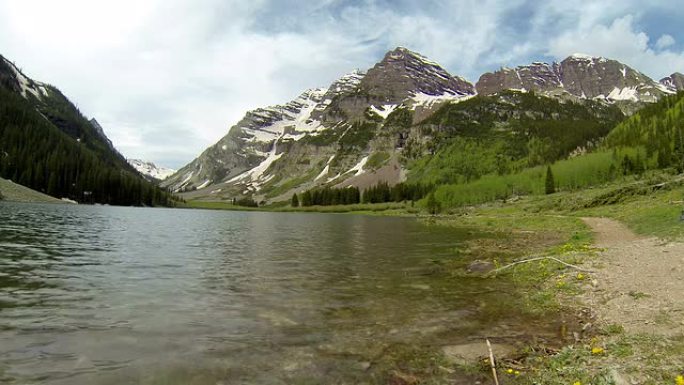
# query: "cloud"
x,y
621,40
167,78
665,41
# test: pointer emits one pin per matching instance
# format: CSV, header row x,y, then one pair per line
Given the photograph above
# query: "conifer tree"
x,y
678,154
306,199
295,200
550,184
433,205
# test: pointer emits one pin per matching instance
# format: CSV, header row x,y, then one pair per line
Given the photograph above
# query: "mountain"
x,y
328,126
579,76
47,144
407,119
674,81
153,172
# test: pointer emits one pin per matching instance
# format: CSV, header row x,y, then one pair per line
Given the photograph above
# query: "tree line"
x,y
379,193
327,196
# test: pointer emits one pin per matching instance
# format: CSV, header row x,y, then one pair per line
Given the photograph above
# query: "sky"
x,y
168,78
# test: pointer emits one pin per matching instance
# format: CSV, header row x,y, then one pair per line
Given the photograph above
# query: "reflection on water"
x,y
107,295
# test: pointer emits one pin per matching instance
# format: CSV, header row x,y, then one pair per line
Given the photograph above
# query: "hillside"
x,y
503,134
646,142
656,132
48,145
12,192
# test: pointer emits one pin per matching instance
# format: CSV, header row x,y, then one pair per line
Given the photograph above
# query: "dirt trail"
x,y
639,282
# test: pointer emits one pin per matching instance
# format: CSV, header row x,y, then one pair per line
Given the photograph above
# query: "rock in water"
x,y
481,267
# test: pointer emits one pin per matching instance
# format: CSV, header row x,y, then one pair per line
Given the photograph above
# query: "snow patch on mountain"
x,y
204,184
344,84
421,99
33,87
358,168
292,119
256,177
384,111
152,170
627,93
326,169
588,58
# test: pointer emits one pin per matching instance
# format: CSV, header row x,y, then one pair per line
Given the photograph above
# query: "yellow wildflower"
x,y
580,276
577,383
597,351
509,371
680,380
517,372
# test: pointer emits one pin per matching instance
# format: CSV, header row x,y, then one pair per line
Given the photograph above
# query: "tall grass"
x,y
570,174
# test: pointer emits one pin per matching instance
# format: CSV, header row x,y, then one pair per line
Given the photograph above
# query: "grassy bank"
x,y
13,192
650,205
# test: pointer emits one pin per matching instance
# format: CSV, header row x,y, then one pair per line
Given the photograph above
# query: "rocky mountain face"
x,y
364,127
246,157
674,81
100,131
150,170
578,76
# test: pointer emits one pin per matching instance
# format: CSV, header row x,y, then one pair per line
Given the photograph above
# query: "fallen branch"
x,y
539,259
491,362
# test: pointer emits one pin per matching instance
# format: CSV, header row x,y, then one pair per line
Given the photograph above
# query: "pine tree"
x,y
664,155
295,200
550,184
432,204
307,199
678,153
627,166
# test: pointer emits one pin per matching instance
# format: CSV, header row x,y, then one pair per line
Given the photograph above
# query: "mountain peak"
x,y
403,53
586,58
403,73
674,82
150,170
582,56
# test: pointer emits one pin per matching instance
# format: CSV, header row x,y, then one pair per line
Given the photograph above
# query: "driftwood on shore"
x,y
538,259
491,362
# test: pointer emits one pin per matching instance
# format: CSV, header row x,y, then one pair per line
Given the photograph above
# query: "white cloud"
x,y
665,41
620,40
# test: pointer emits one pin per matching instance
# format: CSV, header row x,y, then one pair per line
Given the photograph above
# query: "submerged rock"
x,y
468,353
399,378
481,267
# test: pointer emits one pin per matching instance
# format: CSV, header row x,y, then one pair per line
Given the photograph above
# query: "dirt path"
x,y
639,282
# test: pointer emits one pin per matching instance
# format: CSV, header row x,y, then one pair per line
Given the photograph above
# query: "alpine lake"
x,y
116,295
